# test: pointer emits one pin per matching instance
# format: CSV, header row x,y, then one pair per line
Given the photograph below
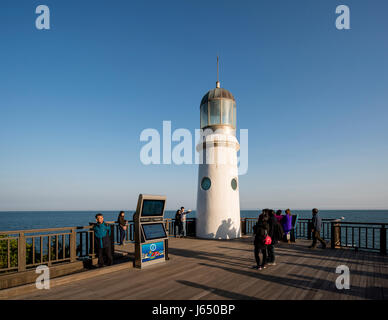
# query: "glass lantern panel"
x,y
234,114
204,120
215,111
227,111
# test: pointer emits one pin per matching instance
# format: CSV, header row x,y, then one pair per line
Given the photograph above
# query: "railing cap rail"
x,y
44,230
349,222
364,223
15,232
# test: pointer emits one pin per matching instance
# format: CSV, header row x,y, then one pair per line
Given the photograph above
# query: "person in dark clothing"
x,y
178,224
261,230
102,241
276,234
316,230
122,226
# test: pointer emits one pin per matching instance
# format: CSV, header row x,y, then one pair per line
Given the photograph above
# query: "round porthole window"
x,y
205,183
234,184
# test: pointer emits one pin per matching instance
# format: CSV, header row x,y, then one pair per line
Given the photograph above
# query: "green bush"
x,y
13,246
13,250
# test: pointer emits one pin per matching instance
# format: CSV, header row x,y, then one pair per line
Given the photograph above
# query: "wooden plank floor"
x,y
216,269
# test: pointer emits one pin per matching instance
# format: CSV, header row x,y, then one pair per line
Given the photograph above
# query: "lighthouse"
x,y
218,201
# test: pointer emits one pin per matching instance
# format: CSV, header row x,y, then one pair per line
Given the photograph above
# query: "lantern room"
x,y
218,108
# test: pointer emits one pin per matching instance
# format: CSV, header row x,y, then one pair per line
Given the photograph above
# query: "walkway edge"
x,y
28,288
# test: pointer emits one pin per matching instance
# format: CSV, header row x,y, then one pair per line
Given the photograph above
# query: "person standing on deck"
x,y
102,241
122,226
279,216
276,234
183,219
316,230
261,230
178,224
287,225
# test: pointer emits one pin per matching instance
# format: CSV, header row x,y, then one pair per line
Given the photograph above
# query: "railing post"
x,y
383,240
335,241
21,252
332,240
188,226
243,226
73,245
309,228
91,252
112,238
167,226
194,229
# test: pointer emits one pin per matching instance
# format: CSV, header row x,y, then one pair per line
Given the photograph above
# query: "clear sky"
x,y
74,100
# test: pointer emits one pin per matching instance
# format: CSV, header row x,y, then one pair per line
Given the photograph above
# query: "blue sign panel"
x,y
152,251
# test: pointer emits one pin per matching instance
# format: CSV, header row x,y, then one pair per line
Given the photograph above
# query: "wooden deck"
x,y
216,269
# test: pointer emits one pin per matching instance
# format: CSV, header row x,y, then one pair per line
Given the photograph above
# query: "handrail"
x,y
349,222
171,219
43,230
23,249
67,244
371,236
325,219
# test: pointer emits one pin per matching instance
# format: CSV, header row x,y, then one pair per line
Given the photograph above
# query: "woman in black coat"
x,y
276,234
261,230
122,226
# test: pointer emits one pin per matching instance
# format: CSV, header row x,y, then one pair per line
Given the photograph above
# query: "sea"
x,y
25,220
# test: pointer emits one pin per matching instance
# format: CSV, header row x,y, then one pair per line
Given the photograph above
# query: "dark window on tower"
x,y
205,183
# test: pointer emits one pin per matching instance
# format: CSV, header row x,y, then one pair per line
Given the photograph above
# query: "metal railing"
x,y
341,234
303,229
24,249
358,235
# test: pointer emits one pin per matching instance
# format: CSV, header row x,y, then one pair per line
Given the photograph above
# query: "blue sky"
x,y
74,100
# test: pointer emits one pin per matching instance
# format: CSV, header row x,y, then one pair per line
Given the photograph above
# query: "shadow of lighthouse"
x,y
225,231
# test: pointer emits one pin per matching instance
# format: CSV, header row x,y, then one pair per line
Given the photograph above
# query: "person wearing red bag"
x,y
261,230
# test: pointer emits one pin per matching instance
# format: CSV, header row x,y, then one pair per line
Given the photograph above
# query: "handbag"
x,y
267,240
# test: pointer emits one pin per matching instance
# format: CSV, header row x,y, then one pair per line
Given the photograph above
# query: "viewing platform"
x,y
221,269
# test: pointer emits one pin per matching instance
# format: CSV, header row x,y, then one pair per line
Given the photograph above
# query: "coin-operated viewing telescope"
x,y
151,240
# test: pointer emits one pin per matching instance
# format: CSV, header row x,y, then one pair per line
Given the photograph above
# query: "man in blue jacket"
x,y
102,241
316,230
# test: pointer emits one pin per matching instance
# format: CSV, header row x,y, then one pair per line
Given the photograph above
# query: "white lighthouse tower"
x,y
218,202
